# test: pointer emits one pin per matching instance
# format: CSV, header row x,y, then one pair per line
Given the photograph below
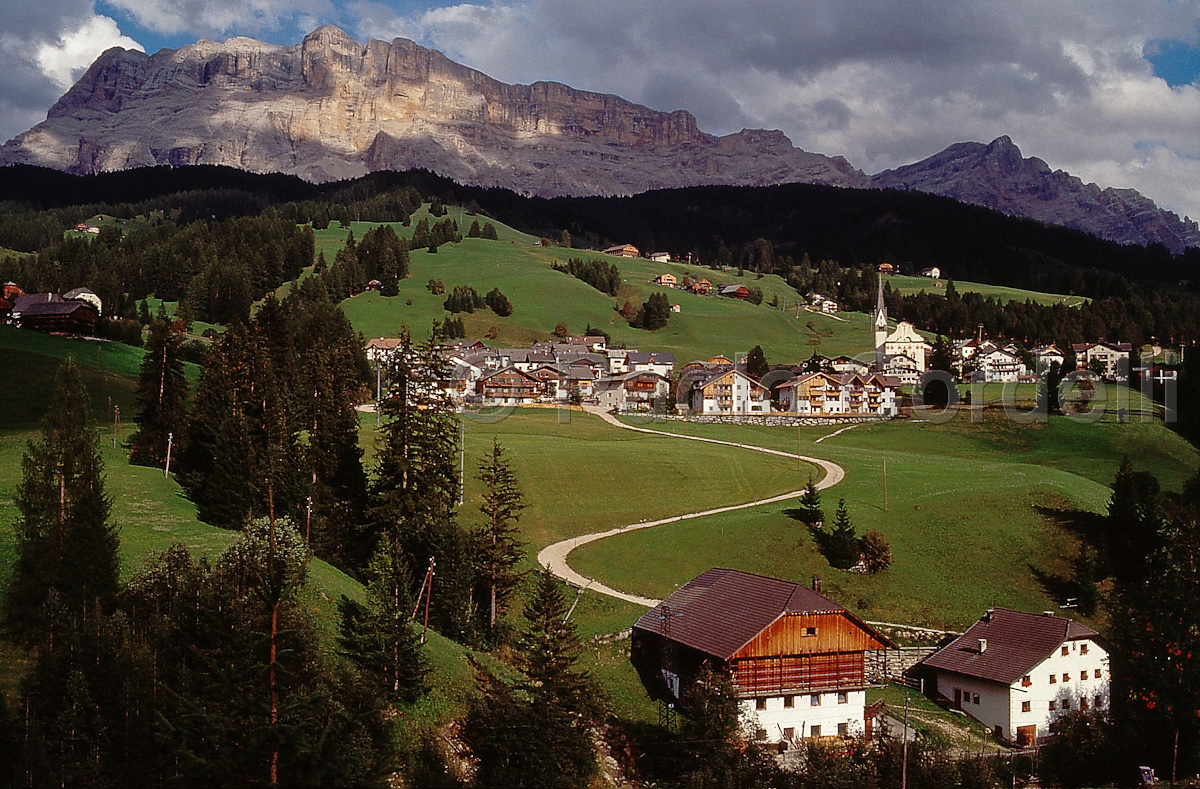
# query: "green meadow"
x,y
542,298
907,285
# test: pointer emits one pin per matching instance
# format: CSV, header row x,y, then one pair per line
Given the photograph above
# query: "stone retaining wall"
x,y
767,420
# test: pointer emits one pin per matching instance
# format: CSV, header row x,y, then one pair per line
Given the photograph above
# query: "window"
x,y
1083,674
1066,677
814,700
1026,681
1026,706
1066,704
975,699
814,731
843,729
1066,650
843,697
1083,703
789,701
1053,705
789,733
1096,673
1053,678
810,631
1083,649
760,704
1099,702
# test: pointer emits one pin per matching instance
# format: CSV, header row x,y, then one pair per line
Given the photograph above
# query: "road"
x,y
554,557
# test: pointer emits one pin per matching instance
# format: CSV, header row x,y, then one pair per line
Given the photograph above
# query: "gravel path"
x,y
554,557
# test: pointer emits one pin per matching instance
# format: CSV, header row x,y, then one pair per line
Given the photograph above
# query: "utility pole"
x,y
904,756
167,469
462,461
885,484
378,390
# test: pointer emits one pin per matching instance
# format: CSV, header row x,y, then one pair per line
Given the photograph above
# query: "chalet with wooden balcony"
x,y
729,391
510,386
832,394
797,659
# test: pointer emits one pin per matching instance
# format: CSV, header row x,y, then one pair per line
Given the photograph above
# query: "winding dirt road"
x,y
554,557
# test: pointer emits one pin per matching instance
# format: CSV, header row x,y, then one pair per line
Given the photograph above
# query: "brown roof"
x,y
721,610
1016,643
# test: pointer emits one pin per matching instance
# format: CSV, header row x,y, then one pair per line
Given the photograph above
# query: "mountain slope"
x,y
331,108
998,176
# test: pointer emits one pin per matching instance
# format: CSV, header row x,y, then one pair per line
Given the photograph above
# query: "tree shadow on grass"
x,y
1055,586
1088,526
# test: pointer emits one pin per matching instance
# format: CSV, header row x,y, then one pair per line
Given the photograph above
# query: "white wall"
x,y
803,715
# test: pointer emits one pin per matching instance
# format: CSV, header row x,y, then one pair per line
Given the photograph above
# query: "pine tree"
x,y
377,635
810,505
161,397
756,363
67,558
498,548
489,232
543,736
474,231
843,544
421,236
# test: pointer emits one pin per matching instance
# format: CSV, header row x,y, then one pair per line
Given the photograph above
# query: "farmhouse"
x,y
623,250
666,280
660,257
796,658
728,391
933,272
10,290
635,391
739,292
702,287
380,349
50,313
886,268
1016,672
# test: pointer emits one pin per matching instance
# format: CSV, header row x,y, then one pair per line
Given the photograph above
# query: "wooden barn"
x,y
796,658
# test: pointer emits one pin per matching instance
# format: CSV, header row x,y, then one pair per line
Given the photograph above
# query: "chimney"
x,y
816,584
988,616
982,645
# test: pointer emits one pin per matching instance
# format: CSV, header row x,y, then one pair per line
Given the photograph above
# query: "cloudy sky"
x,y
1108,90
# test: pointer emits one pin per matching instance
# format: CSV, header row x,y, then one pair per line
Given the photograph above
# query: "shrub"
x,y
875,550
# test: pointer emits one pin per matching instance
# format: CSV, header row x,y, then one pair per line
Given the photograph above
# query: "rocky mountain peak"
x,y
998,176
331,107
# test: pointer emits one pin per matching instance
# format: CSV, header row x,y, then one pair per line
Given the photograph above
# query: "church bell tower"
x,y
881,328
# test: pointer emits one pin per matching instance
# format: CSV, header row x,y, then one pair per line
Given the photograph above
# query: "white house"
x,y
933,272
1046,356
1016,672
729,392
658,362
823,394
660,257
998,365
823,303
1111,359
85,295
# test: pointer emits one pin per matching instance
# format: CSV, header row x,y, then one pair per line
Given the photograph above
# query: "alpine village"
x,y
401,472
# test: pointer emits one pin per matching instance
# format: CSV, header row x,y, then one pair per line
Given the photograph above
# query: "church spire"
x,y
880,308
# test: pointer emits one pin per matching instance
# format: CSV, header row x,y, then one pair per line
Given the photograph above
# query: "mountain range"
x,y
332,108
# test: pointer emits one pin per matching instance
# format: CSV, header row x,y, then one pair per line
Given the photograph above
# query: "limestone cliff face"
x,y
331,108
998,176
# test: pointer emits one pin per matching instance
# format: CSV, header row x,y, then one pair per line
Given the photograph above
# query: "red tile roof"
x,y
1016,643
720,611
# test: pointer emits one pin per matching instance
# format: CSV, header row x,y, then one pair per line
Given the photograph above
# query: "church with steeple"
x,y
900,353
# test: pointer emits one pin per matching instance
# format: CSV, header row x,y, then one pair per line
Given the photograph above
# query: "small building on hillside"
x,y
623,251
886,268
660,257
796,658
823,303
729,391
702,287
50,313
380,349
1016,672
10,290
634,391
735,291
86,295
1046,356
667,280
933,272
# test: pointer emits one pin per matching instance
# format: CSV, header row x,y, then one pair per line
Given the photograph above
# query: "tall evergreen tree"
x,y
756,363
161,397
843,543
540,736
810,505
498,549
67,560
377,635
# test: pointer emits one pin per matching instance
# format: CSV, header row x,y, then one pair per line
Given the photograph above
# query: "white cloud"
x,y
65,60
220,17
882,84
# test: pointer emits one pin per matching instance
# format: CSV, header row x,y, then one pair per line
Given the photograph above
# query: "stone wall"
x,y
767,420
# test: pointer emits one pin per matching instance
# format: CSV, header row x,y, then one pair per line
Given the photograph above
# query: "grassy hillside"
x,y
906,285
542,298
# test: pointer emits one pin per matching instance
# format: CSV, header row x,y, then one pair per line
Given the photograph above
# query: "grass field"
x,y
972,515
907,285
706,326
